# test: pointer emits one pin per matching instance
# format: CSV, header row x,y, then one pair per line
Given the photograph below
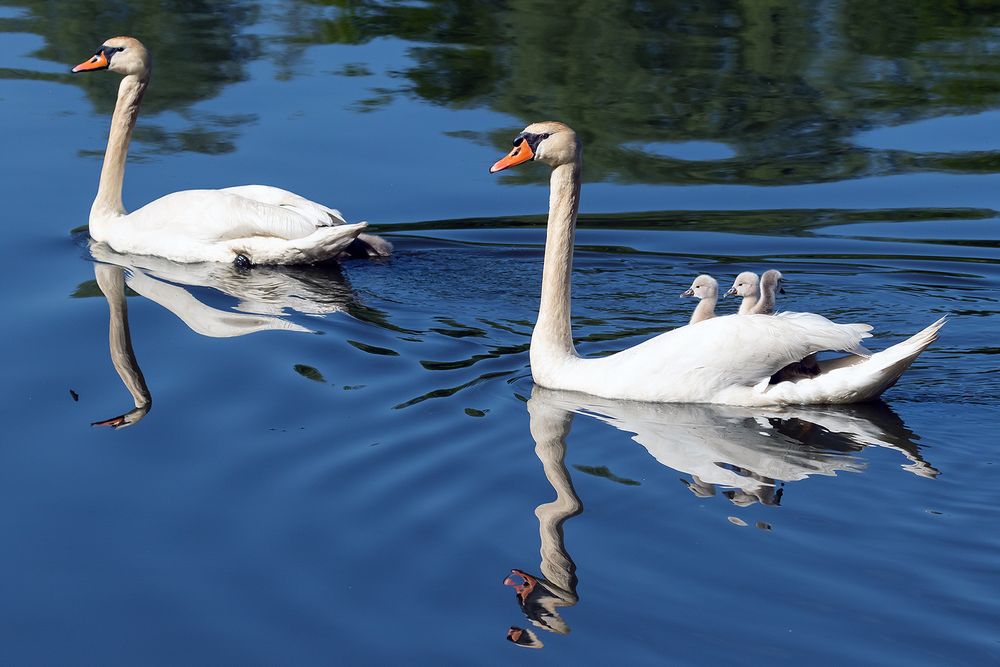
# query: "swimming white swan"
x,y
706,288
726,359
250,224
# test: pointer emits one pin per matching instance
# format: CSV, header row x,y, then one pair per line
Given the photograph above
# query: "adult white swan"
x,y
250,224
728,359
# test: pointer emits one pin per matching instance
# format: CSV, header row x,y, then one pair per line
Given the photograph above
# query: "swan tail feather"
x,y
324,244
854,380
863,331
369,245
823,334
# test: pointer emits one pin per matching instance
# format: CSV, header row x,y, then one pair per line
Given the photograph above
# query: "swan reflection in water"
x,y
748,453
263,296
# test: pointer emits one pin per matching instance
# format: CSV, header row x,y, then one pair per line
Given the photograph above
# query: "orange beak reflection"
x,y
98,61
521,153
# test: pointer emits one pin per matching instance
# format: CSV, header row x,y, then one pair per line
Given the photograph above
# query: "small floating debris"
x,y
309,372
373,349
603,471
523,637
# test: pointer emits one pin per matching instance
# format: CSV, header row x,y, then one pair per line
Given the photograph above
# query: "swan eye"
x,y
120,49
532,139
544,136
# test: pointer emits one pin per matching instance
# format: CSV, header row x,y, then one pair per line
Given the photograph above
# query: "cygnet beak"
x,y
687,292
731,292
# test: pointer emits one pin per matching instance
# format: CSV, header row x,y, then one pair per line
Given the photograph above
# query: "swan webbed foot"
x,y
242,262
523,637
522,588
797,370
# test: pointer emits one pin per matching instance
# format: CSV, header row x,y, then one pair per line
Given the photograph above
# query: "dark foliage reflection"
x,y
197,47
783,83
778,88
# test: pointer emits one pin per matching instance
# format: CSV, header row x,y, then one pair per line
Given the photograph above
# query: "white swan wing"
x,y
745,348
216,226
723,359
820,326
265,194
218,215
856,379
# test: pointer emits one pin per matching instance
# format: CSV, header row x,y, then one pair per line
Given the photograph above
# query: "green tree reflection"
x,y
197,46
786,84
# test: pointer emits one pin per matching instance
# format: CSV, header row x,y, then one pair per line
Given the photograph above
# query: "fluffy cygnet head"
x,y
746,284
770,287
771,281
706,288
703,287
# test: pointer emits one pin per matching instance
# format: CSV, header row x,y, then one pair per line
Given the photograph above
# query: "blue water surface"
x,y
346,464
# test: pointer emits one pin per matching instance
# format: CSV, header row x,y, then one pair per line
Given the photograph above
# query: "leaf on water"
x,y
353,69
309,372
89,288
602,471
373,349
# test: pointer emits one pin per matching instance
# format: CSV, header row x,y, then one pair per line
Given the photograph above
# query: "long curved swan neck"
x,y
553,331
770,285
765,306
109,193
748,304
704,310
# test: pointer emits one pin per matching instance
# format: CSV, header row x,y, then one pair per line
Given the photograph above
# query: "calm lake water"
x,y
343,465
